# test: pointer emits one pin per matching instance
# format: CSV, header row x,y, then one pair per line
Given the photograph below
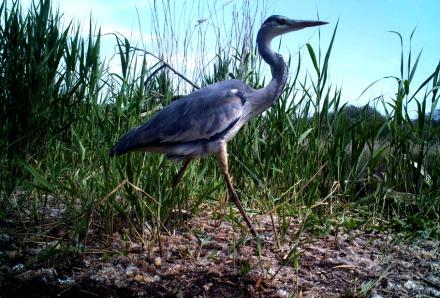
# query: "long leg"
x,y
222,158
182,171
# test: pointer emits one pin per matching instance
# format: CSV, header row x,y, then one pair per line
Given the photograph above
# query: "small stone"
x,y
282,293
157,262
410,285
207,286
131,270
48,274
18,267
136,248
66,281
139,278
214,271
374,294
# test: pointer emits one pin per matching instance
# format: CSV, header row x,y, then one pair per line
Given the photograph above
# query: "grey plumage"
x,y
202,117
205,120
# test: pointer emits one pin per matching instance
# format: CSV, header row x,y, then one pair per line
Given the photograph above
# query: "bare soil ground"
x,y
212,258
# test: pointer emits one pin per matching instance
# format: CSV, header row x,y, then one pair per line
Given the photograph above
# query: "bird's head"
x,y
276,25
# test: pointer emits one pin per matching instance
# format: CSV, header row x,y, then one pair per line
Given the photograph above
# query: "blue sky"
x,y
364,50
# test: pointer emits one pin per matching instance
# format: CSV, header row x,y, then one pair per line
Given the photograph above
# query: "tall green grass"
x,y
307,157
49,80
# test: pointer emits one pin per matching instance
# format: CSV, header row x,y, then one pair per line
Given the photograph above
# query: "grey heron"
x,y
204,121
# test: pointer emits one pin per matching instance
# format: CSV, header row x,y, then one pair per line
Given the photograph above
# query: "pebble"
x,y
66,281
157,262
18,267
282,293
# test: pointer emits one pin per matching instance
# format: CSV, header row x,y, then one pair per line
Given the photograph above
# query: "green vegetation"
x,y
332,165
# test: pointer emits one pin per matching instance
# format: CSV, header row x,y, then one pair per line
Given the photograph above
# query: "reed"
x,y
311,156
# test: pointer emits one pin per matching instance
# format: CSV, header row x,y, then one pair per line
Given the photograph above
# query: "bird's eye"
x,y
282,21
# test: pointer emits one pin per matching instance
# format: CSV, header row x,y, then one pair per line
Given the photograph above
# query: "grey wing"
x,y
203,115
200,118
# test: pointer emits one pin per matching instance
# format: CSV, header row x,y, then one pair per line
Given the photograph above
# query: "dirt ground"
x,y
212,258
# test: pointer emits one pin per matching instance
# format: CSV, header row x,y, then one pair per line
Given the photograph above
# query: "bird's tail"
x,y
126,143
121,147
114,151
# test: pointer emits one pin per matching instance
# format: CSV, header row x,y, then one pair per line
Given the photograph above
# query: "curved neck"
x,y
270,93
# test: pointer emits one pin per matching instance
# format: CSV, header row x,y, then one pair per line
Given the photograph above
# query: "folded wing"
x,y
203,115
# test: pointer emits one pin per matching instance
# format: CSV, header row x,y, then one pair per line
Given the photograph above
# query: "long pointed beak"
x,y
300,24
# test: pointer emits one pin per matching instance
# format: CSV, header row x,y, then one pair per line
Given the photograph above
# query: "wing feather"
x,y
192,121
202,115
